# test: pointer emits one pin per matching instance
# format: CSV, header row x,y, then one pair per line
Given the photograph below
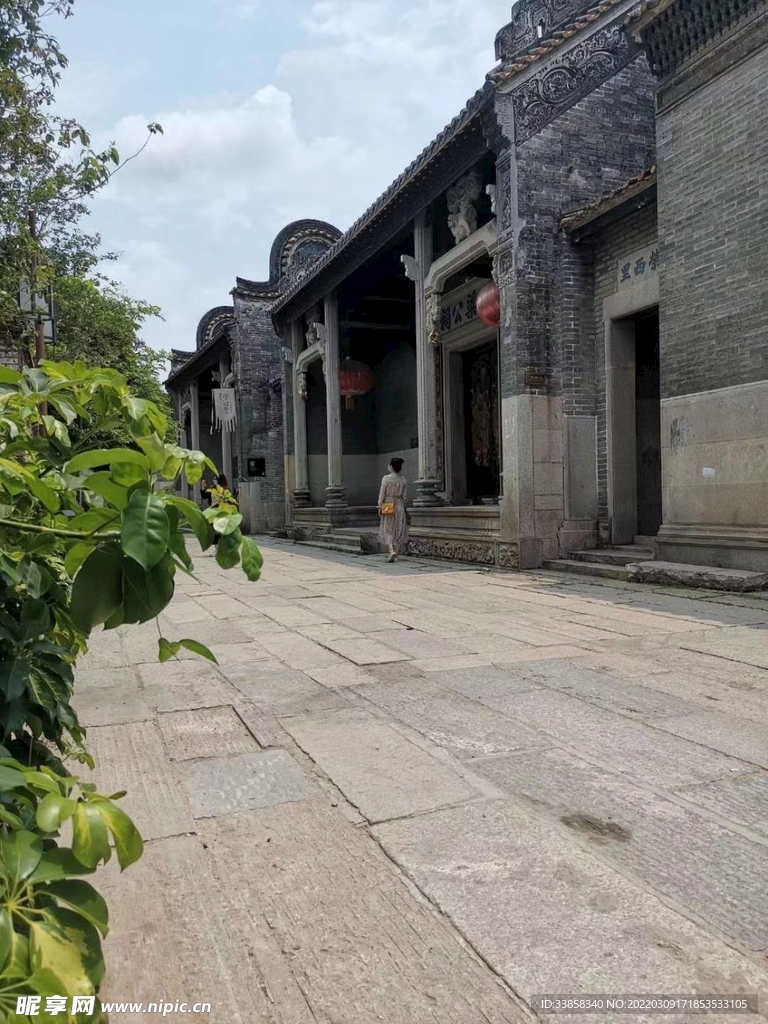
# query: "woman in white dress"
x,y
394,523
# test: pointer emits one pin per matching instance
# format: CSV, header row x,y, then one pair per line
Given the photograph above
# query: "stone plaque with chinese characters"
x,y
638,266
459,307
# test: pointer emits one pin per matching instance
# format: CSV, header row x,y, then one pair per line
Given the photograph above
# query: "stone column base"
x,y
336,497
302,499
426,493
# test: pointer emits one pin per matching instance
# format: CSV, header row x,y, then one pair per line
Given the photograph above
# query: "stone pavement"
x,y
424,793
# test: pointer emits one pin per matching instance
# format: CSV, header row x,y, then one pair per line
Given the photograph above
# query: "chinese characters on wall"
x,y
639,266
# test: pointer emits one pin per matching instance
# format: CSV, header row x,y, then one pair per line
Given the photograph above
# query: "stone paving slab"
x,y
115,678
378,769
209,732
419,645
604,689
736,736
483,682
742,643
366,651
677,852
551,917
132,757
341,676
743,799
463,727
172,936
363,950
629,747
297,651
110,705
227,785
212,692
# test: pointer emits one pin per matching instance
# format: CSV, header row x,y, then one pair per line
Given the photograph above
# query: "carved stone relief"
x,y
434,313
569,78
461,199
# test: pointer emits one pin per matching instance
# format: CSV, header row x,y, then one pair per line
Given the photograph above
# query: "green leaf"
x,y
179,548
105,457
145,529
90,842
197,648
167,650
226,524
36,619
75,557
53,810
97,591
81,897
194,516
126,474
146,594
228,551
57,864
14,673
20,853
128,842
251,559
103,485
11,778
94,519
154,449
6,938
8,376
69,947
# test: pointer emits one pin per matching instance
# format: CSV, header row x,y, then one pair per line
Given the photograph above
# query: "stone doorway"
x,y
648,423
472,436
481,423
634,426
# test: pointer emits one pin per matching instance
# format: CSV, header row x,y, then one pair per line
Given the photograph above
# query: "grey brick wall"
x,y
713,217
597,145
627,235
259,372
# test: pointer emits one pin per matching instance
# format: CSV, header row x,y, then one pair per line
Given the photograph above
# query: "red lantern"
x,y
489,304
355,379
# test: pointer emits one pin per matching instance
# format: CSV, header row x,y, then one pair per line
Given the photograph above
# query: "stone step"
x,y
330,543
620,555
644,542
579,568
708,577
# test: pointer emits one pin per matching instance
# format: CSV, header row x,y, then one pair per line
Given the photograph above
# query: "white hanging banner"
x,y
224,410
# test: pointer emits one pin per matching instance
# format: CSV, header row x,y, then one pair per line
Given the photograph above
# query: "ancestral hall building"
x,y
610,179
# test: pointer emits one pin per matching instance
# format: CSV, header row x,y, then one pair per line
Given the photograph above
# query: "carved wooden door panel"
x,y
481,411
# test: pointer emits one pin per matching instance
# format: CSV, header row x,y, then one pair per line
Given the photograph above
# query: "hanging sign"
x,y
224,410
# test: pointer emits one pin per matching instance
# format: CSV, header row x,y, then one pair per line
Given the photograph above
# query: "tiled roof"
x,y
609,201
544,47
450,132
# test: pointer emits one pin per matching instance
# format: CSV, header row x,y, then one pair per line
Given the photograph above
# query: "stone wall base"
x,y
728,547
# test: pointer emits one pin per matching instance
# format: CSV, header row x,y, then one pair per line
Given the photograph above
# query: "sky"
x,y
272,110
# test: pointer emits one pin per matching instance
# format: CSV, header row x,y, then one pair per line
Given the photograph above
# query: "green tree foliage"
x,y
47,162
99,325
88,538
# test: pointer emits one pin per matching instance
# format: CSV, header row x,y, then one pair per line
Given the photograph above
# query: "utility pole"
x,y
39,326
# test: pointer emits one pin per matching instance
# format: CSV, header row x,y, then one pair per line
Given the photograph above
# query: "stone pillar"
x,y
226,436
428,482
194,440
301,495
336,493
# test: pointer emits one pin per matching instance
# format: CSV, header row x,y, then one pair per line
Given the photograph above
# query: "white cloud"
x,y
372,83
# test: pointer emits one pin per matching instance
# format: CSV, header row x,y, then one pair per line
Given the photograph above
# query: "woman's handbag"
x,y
387,508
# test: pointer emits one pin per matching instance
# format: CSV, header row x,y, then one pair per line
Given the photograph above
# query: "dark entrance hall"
x,y
481,422
648,423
